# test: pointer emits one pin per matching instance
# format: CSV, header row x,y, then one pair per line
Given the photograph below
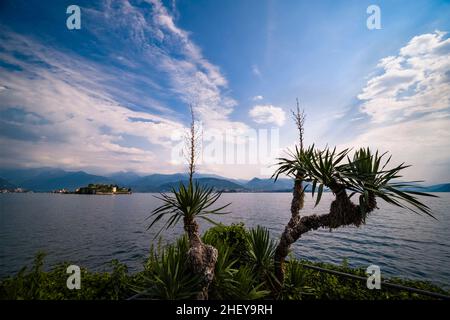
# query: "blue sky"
x,y
113,95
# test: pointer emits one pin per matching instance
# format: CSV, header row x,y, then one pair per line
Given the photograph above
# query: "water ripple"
x,y
92,230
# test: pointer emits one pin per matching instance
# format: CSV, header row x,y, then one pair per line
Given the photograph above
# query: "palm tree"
x,y
189,203
364,175
297,203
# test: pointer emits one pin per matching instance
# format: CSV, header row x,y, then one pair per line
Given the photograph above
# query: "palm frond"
x,y
366,174
189,201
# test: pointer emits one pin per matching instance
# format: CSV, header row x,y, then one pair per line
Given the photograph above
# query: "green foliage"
x,y
295,287
244,263
224,283
248,285
365,173
188,202
261,247
234,236
261,250
331,287
167,275
39,285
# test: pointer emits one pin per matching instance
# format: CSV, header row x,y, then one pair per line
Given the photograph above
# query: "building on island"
x,y
103,189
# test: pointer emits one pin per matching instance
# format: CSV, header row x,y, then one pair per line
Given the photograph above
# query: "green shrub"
x,y
224,283
167,275
248,286
233,236
295,282
37,284
331,287
261,250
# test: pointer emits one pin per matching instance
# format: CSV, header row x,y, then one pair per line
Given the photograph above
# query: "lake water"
x,y
91,230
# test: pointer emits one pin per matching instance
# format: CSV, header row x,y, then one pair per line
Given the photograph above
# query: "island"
x,y
102,189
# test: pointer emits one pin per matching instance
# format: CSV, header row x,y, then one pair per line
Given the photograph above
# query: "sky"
x,y
114,95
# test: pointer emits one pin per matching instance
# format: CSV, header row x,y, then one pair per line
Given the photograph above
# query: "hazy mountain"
x,y
66,180
445,187
125,178
257,184
217,184
240,182
6,185
49,179
152,182
19,176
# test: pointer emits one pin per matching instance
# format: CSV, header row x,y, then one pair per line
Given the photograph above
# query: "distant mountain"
x,y
445,187
240,182
125,178
49,179
66,180
257,184
152,183
165,182
217,184
19,176
6,185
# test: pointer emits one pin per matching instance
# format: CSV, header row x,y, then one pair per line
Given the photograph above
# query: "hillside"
x,y
445,187
257,184
6,185
49,179
217,184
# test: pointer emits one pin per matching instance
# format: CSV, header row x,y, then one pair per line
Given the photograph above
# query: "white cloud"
x,y
408,108
265,114
423,143
417,80
257,98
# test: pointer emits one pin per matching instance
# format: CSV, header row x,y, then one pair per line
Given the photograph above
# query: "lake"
x,y
91,230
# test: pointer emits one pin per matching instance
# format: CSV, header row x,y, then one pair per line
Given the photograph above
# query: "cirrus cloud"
x,y
65,108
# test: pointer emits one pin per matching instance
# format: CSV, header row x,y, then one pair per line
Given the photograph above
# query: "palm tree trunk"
x,y
343,212
287,239
202,258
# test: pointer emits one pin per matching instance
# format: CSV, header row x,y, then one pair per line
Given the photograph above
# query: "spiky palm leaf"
x,y
364,174
224,284
367,172
167,275
189,202
261,247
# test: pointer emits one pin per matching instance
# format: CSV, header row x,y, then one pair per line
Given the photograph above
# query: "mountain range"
x,y
50,179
